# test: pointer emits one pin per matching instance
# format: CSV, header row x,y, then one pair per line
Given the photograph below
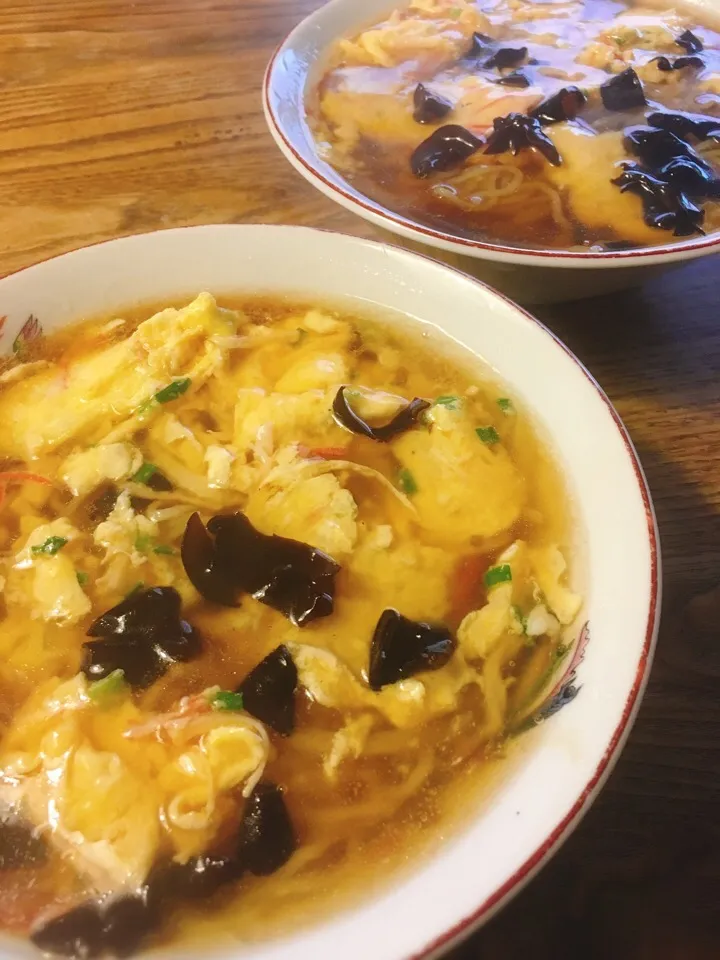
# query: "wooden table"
x,y
121,116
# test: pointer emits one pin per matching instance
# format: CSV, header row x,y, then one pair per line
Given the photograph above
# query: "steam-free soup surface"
x,y
533,109
277,585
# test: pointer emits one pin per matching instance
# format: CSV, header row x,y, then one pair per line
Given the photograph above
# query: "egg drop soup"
x,y
278,584
565,124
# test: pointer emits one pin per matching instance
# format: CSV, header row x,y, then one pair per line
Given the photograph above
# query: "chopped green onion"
x,y
143,542
145,407
140,585
407,482
82,578
164,550
452,403
103,691
522,620
500,574
488,434
227,700
455,12
505,404
51,546
173,390
146,471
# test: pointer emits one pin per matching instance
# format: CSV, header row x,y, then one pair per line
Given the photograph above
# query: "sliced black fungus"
x,y
405,420
100,506
655,146
20,844
658,148
561,106
143,614
138,661
690,42
516,132
480,46
665,65
181,644
268,691
623,91
126,921
663,206
515,79
200,561
688,176
446,147
200,877
267,839
505,57
141,636
401,648
77,933
291,577
685,125
428,106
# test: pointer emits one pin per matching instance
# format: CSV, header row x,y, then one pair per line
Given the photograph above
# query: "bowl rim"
x,y
334,186
552,841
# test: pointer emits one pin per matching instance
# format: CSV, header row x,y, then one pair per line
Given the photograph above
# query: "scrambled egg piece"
x,y
406,704
465,488
315,510
590,162
428,33
106,387
348,741
109,793
86,469
125,532
535,586
219,463
56,594
266,421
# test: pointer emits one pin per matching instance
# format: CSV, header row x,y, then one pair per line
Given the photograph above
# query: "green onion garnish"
x,y
136,588
452,403
143,541
407,482
173,390
82,578
488,434
505,404
164,550
103,691
227,700
145,407
146,471
522,620
500,574
51,546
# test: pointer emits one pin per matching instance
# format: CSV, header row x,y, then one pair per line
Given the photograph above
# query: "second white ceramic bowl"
x,y
528,276
542,796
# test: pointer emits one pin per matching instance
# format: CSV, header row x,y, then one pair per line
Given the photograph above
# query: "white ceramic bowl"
x,y
530,276
541,796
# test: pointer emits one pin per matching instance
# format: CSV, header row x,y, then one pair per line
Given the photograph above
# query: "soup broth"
x,y
278,584
578,124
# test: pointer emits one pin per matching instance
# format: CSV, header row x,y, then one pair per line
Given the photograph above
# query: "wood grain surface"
x,y
118,117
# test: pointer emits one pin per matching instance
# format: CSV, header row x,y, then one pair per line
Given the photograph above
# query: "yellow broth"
x,y
362,115
406,770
